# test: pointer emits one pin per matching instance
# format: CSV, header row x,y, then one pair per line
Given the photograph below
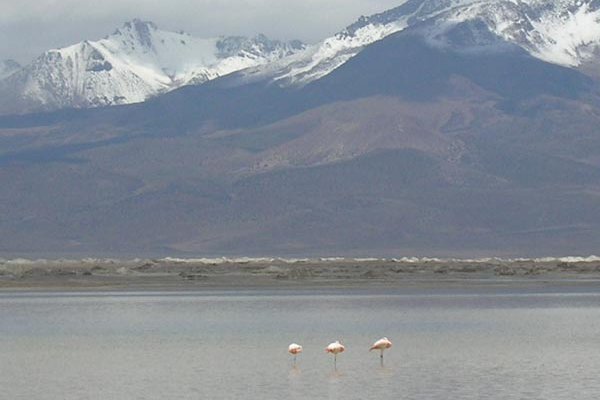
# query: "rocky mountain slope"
x,y
136,62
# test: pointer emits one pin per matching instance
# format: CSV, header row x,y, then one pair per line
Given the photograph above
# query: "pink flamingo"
x,y
294,349
335,348
381,345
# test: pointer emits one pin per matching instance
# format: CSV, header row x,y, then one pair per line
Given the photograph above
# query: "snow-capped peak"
x,y
136,62
564,32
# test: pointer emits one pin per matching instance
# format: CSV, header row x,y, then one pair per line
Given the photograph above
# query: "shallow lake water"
x,y
458,344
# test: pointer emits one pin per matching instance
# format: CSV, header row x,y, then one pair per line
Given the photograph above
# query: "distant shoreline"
x,y
176,274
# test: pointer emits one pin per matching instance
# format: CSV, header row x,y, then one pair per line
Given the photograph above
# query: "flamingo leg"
x,y
381,358
335,361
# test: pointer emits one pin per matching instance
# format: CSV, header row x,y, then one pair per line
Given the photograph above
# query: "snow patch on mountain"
x,y
319,60
563,32
569,39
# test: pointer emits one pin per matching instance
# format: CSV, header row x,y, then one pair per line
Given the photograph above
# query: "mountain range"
x,y
448,127
137,62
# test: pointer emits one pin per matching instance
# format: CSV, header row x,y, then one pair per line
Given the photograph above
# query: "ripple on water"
x,y
521,346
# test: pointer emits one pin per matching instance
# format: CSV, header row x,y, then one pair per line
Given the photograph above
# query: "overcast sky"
x,y
29,27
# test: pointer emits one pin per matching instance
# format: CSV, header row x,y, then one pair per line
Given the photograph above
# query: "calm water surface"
x,y
228,345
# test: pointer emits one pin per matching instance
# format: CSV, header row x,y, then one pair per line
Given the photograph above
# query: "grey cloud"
x,y
28,27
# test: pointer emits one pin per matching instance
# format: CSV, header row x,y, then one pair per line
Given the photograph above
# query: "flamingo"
x,y
335,348
294,349
381,345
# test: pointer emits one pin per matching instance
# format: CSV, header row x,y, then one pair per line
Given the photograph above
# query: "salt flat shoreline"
x,y
172,274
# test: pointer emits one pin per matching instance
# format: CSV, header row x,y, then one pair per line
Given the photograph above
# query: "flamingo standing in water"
x,y
381,345
294,349
335,348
